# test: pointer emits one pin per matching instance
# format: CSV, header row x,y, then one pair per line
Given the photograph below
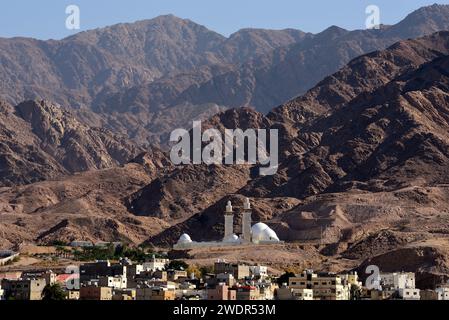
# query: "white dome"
x,y
261,233
231,239
185,238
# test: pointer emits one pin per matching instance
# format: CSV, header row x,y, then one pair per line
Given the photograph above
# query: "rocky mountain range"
x,y
147,78
363,145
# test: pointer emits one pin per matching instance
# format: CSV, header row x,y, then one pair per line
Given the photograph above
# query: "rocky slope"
x,y
372,159
40,140
73,71
174,71
269,79
86,206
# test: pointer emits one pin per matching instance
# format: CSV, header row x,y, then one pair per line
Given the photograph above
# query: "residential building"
x,y
117,282
155,293
175,275
221,292
239,271
161,275
155,264
124,295
396,281
286,293
267,290
95,293
23,289
258,271
190,294
409,294
443,292
90,271
73,295
247,293
226,278
428,295
382,294
325,286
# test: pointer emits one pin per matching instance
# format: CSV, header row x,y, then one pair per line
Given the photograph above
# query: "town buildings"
x,y
152,280
324,286
397,285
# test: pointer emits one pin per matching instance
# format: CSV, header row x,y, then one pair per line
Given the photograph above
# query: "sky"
x,y
46,19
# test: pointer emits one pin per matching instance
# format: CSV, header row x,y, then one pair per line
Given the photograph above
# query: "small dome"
x,y
261,233
185,238
231,239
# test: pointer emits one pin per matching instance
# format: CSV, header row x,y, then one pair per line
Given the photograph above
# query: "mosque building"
x,y
257,234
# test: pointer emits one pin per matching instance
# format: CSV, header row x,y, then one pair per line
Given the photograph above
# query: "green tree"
x,y
53,292
177,265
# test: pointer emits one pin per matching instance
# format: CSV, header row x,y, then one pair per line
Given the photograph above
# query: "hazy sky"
x,y
45,19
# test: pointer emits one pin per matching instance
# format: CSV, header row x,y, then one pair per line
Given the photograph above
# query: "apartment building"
x,y
23,289
96,293
325,287
117,282
90,271
286,293
239,271
155,293
247,293
155,264
221,292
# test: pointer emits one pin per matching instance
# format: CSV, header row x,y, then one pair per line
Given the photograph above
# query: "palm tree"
x,y
53,292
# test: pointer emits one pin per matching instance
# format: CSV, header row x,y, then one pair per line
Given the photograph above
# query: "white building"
x,y
409,294
156,264
443,293
257,234
259,271
396,281
117,282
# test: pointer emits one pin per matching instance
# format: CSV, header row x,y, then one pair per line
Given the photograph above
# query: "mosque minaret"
x,y
229,221
259,233
246,221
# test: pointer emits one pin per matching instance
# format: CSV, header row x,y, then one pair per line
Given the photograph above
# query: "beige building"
x,y
125,295
248,293
73,295
239,271
117,282
95,293
175,275
286,293
325,287
221,292
155,293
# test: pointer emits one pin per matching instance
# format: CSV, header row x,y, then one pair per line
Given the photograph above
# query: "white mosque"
x,y
259,233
